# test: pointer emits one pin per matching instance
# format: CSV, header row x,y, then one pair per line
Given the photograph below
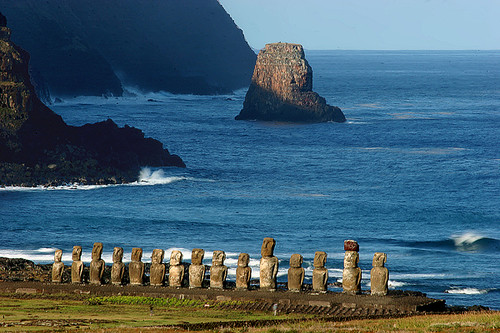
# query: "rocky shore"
x,y
38,148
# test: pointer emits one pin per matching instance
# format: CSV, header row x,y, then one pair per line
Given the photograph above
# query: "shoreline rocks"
x,y
281,89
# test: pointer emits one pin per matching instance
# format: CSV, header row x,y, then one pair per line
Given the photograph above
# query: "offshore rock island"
x,y
281,89
38,148
96,47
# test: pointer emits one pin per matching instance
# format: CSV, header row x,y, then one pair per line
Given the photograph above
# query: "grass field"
x,y
144,314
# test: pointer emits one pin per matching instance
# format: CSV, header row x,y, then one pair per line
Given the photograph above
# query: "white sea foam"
x,y
396,284
466,291
418,276
466,239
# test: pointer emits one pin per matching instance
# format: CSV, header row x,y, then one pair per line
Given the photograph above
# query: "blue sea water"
x,y
414,172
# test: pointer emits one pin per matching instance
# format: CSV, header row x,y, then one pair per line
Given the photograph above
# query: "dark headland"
x,y
38,148
96,47
281,89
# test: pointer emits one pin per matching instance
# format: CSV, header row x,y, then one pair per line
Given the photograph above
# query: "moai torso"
x,y
196,269
118,268
295,273
77,265
176,270
320,273
157,269
218,272
351,276
97,265
268,265
243,272
379,275
136,267
57,267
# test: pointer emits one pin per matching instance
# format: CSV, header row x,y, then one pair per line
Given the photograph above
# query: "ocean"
x,y
414,173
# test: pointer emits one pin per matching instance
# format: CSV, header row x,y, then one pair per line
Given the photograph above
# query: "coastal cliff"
x,y
281,89
98,47
38,148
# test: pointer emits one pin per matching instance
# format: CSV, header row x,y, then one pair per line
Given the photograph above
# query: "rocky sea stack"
x,y
281,89
38,148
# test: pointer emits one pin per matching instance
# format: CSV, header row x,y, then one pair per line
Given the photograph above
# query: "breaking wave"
x,y
466,291
466,242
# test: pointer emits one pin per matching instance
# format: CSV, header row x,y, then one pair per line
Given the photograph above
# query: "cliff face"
x,y
281,89
188,46
37,147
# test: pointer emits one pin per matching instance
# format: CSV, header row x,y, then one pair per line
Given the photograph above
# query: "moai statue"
x,y
320,273
77,265
176,270
379,275
118,268
351,276
97,265
268,265
57,267
218,272
295,273
157,270
243,272
196,269
136,267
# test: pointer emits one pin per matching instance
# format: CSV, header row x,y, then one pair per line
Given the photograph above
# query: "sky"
x,y
370,24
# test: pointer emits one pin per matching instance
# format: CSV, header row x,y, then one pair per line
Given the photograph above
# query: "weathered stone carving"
x,y
320,273
176,270
157,269
196,269
218,272
97,265
77,265
379,275
118,268
351,245
243,272
295,273
351,276
57,267
136,267
268,265
281,89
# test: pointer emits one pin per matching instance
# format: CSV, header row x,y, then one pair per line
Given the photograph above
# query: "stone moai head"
x,y
351,245
136,254
351,259
218,258
267,249
157,256
175,258
58,255
319,259
379,259
77,253
243,260
197,256
97,251
117,254
296,260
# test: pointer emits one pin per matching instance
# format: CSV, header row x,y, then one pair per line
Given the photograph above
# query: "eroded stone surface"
x,y
176,270
379,275
243,272
320,273
351,245
218,272
97,265
118,268
157,269
295,273
77,265
351,276
196,269
136,267
57,266
268,265
281,89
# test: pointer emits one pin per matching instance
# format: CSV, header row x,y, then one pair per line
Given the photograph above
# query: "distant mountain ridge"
x,y
94,47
